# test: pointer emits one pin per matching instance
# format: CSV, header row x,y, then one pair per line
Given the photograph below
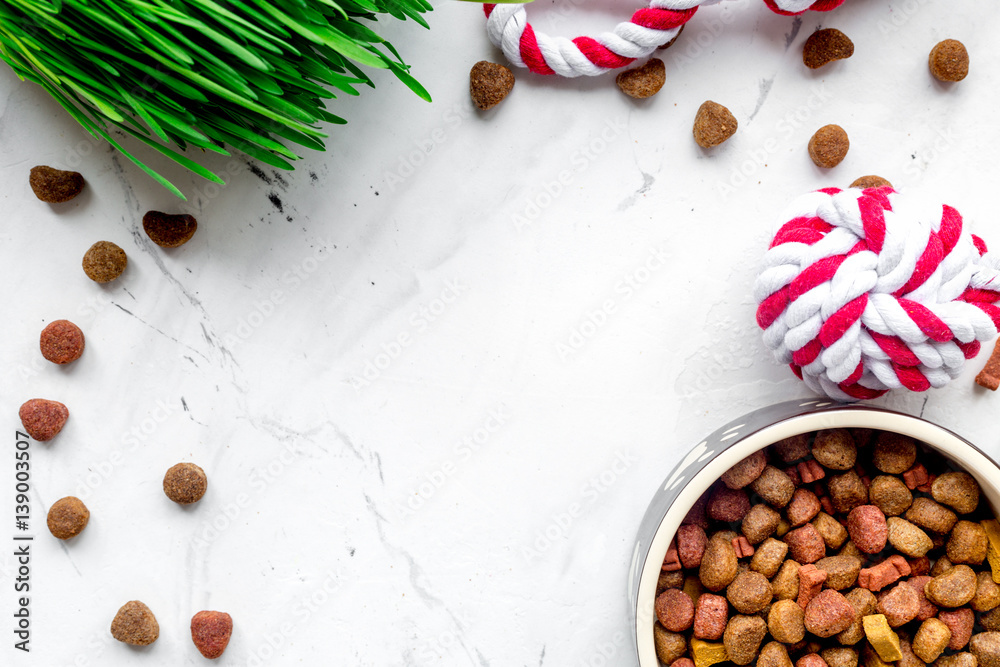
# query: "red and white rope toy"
x,y
866,291
649,28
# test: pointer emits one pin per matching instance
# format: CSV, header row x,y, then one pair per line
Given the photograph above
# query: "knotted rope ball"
x,y
649,28
863,291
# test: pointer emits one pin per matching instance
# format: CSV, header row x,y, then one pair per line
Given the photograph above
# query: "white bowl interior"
x,y
948,444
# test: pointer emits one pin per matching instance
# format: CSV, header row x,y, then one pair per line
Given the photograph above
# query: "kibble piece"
x,y
882,574
864,604
135,624
832,531
210,632
850,550
489,84
61,342
785,584
986,647
987,593
774,486
707,654
825,46
894,453
42,418
931,640
711,614
185,483
811,580
169,231
841,571
669,579
104,262
949,61
742,638
55,186
941,565
908,539
899,605
871,658
786,621
927,608
672,560
954,588
967,543
965,659
684,662
692,587
829,146
812,659
645,81
847,491
749,592
931,516
760,523
698,514
768,557
840,657
868,528
691,541
957,490
992,528
989,377
713,124
674,610
828,614
865,182
889,494
805,544
835,449
68,517
793,448
882,638
746,471
803,507
728,505
774,654
909,659
960,623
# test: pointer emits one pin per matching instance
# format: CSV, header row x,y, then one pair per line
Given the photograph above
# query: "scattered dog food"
x,y
185,483
61,342
135,624
55,186
489,84
42,418
825,46
210,632
104,262
68,517
713,124
645,81
872,181
949,61
989,377
169,231
829,146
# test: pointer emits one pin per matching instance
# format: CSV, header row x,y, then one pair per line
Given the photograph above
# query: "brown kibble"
x,y
960,622
774,654
957,490
774,486
104,262
674,610
135,624
931,516
872,181
840,657
941,565
927,608
889,494
746,471
900,604
645,81
185,483
989,377
864,604
793,448
986,647
489,84
987,593
847,491
910,540
42,418
805,544
749,592
841,571
949,61
835,449
785,584
828,614
674,579
669,645
829,146
825,46
803,507
742,638
965,659
786,622
713,124
768,557
931,640
55,186
728,505
718,565
711,614
760,523
954,588
61,342
894,453
908,658
832,531
68,517
967,543
210,632
868,528
991,619
169,231
698,514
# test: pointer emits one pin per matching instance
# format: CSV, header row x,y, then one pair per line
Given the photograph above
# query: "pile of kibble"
x,y
63,342
832,548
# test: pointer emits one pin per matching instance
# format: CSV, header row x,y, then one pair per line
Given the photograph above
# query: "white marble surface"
x,y
392,510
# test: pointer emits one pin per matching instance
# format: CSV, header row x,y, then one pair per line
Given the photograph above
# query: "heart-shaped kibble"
x,y
169,231
42,418
55,186
713,124
825,46
210,632
643,82
135,624
489,83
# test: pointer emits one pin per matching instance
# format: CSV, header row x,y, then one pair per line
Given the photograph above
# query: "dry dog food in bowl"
x,y
822,535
